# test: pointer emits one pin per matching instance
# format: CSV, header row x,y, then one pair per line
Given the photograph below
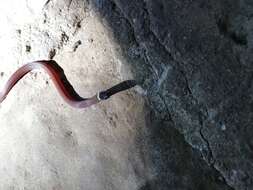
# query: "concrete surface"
x,y
194,59
45,144
188,126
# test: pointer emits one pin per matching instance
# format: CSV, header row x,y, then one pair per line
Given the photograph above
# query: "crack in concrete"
x,y
188,88
47,2
211,160
70,2
167,109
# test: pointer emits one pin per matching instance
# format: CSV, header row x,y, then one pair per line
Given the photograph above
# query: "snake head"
x,y
104,95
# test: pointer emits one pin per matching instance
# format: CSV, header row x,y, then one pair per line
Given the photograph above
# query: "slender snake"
x,y
63,86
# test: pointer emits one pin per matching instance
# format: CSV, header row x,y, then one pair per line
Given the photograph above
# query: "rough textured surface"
x,y
187,127
194,59
45,144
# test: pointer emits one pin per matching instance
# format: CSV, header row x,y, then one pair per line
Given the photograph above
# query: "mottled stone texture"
x,y
194,59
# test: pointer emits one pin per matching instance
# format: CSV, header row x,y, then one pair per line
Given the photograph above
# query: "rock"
x,y
207,91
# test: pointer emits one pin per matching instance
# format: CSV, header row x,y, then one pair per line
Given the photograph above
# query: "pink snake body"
x,y
61,83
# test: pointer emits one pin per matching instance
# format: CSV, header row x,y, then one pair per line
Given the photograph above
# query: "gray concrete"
x,y
187,126
194,58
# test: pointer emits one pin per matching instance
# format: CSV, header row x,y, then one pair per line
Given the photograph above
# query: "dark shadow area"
x,y
176,164
194,59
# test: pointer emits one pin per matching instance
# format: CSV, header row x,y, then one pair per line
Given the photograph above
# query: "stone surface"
x,y
188,124
194,59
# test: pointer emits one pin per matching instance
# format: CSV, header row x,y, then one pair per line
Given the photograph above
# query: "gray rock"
x,y
194,58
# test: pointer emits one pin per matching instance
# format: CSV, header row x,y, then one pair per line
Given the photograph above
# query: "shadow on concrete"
x,y
173,162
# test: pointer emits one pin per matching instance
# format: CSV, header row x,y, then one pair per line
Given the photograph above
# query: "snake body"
x,y
63,86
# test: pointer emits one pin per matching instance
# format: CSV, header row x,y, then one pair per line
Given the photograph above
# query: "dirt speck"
x,y
91,40
76,45
52,53
19,31
28,48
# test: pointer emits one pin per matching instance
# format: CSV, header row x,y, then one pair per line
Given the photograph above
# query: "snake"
x,y
64,87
